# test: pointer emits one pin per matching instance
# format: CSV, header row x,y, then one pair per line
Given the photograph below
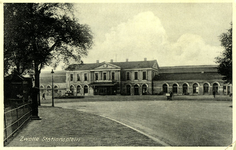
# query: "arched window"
x,y
136,90
144,89
205,88
185,88
164,86
215,87
175,88
195,88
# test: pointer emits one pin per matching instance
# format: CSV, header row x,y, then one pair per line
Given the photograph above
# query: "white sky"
x,y
171,33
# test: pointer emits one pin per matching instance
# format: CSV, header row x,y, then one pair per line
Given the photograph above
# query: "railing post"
x,y
35,104
5,125
17,117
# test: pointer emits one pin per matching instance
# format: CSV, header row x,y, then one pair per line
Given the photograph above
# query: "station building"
x,y
134,78
111,78
191,80
59,83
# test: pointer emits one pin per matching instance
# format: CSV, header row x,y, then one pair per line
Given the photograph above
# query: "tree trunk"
x,y
37,74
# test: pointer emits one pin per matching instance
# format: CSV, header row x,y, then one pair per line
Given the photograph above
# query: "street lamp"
x,y
52,90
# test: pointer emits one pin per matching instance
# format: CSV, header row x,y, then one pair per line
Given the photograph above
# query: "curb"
x,y
149,136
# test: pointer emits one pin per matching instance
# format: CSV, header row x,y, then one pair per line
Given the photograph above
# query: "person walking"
x,y
43,97
171,95
214,93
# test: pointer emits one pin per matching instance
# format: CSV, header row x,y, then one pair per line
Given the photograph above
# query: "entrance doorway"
x,y
205,88
105,90
215,88
85,89
136,90
128,91
185,89
195,88
175,88
144,89
164,88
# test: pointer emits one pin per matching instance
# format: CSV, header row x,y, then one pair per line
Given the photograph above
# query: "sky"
x,y
174,34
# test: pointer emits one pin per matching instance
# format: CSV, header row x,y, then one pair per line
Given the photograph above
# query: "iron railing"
x,y
14,119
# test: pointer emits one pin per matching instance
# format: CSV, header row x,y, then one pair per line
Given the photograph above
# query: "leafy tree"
x,y
225,61
40,34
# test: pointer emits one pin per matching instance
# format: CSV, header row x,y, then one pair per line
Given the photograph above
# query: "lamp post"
x,y
52,90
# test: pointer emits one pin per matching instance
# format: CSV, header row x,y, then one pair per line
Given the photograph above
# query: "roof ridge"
x,y
186,66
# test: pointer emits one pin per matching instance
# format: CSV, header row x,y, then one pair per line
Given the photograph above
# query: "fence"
x,y
14,119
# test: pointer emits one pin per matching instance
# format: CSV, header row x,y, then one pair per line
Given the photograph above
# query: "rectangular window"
x,y
104,76
128,78
136,76
78,77
71,77
144,76
96,76
85,77
113,75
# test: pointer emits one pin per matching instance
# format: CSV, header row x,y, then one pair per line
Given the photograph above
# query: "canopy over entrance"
x,y
104,88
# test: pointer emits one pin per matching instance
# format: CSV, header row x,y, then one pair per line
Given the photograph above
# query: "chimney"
x,y
97,61
145,59
127,60
111,60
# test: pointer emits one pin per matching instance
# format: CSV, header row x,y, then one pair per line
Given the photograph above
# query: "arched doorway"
x,y
215,88
85,89
175,88
78,89
48,90
205,88
41,89
72,89
144,89
164,87
195,88
55,89
185,89
128,92
136,90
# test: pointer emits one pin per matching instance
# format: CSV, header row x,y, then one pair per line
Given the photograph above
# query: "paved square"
x,y
178,123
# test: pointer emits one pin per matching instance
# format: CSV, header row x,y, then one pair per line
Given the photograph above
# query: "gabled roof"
x,y
123,65
187,76
197,72
188,69
136,64
14,77
58,77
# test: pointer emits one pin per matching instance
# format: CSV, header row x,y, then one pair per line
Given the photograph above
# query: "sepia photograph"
x,y
112,74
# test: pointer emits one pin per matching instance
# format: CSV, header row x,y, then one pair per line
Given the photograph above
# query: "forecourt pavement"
x,y
177,123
